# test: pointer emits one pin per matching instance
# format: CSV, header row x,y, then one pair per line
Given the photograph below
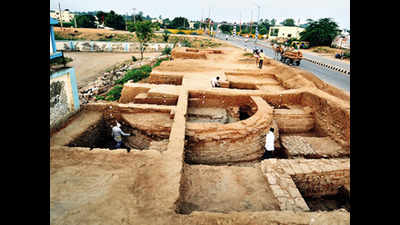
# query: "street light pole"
x,y
134,16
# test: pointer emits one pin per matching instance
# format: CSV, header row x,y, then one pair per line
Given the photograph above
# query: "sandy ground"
x,y
225,189
142,187
89,65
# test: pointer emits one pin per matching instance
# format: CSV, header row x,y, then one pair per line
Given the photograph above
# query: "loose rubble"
x,y
107,80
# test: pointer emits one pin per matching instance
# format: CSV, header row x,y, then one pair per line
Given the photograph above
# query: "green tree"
x,y
100,16
165,35
226,29
166,23
197,25
321,32
144,33
264,26
114,20
273,22
288,22
179,22
86,21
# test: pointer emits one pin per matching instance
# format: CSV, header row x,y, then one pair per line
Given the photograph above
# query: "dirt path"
x,y
88,65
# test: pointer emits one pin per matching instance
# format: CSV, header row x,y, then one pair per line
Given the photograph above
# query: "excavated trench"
x,y
99,136
328,202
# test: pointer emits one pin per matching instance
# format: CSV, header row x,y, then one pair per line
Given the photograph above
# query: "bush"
x,y
99,97
166,35
114,94
186,43
159,62
166,51
194,33
180,32
135,74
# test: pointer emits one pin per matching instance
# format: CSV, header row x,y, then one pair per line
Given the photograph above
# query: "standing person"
x,y
215,82
261,58
257,55
117,132
269,144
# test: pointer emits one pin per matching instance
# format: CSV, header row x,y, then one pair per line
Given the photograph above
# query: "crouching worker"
x,y
116,133
215,82
269,144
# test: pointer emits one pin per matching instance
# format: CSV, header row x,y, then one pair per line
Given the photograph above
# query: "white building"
x,y
66,15
284,32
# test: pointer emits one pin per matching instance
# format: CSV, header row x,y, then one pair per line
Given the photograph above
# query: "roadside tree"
x,y
86,21
321,32
179,22
144,33
114,20
288,22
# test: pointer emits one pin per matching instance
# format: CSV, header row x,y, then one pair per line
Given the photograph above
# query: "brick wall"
x,y
233,142
292,179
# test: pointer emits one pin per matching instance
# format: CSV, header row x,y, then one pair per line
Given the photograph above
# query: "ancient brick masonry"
x,y
233,142
291,179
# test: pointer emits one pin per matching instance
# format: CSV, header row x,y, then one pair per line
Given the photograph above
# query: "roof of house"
x,y
53,21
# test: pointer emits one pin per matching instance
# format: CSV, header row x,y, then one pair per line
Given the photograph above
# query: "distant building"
x,y
66,15
284,32
191,24
160,21
342,41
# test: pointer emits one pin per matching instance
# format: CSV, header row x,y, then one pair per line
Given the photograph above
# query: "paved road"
x,y
335,78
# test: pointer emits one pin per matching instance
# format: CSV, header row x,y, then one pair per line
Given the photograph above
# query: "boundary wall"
x,y
108,46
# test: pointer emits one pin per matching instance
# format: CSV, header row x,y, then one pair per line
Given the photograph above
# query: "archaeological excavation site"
x,y
195,154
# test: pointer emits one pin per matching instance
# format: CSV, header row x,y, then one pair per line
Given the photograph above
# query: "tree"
x,y
165,35
100,16
144,33
288,22
197,25
226,29
114,20
179,22
86,21
273,22
166,23
321,32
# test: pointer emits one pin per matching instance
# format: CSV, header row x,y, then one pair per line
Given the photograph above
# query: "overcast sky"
x,y
220,10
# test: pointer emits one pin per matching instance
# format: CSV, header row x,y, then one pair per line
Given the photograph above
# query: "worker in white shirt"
x,y
116,133
269,144
215,82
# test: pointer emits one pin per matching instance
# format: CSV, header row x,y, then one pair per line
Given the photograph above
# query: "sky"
x,y
220,10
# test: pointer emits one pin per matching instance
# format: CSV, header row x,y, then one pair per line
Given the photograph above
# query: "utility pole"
x,y
126,21
240,26
251,22
61,21
75,22
258,21
134,16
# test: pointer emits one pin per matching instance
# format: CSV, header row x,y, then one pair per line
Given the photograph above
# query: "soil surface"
x,y
225,189
89,65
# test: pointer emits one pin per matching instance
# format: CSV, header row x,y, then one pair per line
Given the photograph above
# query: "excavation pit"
x,y
149,128
328,202
98,135
224,189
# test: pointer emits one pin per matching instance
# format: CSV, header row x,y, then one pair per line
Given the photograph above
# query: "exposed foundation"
x,y
197,153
